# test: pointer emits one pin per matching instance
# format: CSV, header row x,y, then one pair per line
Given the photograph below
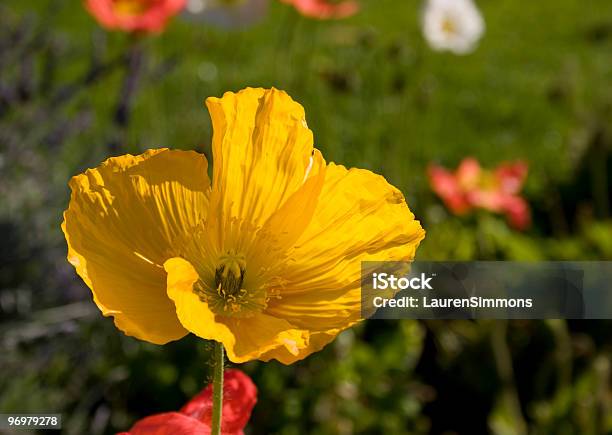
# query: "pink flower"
x,y
325,9
471,187
195,418
134,15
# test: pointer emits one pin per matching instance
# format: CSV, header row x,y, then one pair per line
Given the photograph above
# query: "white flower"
x,y
454,25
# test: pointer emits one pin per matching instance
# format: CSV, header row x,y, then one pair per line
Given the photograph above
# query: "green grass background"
x,y
538,88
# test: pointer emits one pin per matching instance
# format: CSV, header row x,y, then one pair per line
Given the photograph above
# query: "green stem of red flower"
x,y
218,361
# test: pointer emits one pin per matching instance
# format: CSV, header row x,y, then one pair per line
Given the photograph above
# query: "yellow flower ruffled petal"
x,y
262,151
244,339
315,342
290,221
360,217
266,260
121,225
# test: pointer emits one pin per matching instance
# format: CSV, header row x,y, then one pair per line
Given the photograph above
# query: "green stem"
x,y
218,361
503,361
563,353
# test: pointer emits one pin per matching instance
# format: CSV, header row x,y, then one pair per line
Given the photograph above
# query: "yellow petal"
x,y
254,336
359,217
193,313
123,222
262,151
290,221
316,342
244,339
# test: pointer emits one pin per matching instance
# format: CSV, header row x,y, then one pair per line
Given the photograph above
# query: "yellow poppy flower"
x,y
265,259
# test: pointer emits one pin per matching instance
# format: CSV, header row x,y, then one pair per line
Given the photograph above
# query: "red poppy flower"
x,y
195,418
471,187
134,15
325,9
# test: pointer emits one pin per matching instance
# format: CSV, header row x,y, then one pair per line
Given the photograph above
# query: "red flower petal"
x,y
472,187
169,423
511,176
446,186
468,173
195,418
323,9
517,212
239,398
134,15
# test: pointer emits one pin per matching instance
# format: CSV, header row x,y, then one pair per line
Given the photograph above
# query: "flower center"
x,y
229,274
448,26
131,7
228,295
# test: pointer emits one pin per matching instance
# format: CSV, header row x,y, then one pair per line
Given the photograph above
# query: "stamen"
x,y
229,275
449,26
227,296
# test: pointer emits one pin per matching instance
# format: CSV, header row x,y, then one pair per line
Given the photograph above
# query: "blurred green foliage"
x,y
538,88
